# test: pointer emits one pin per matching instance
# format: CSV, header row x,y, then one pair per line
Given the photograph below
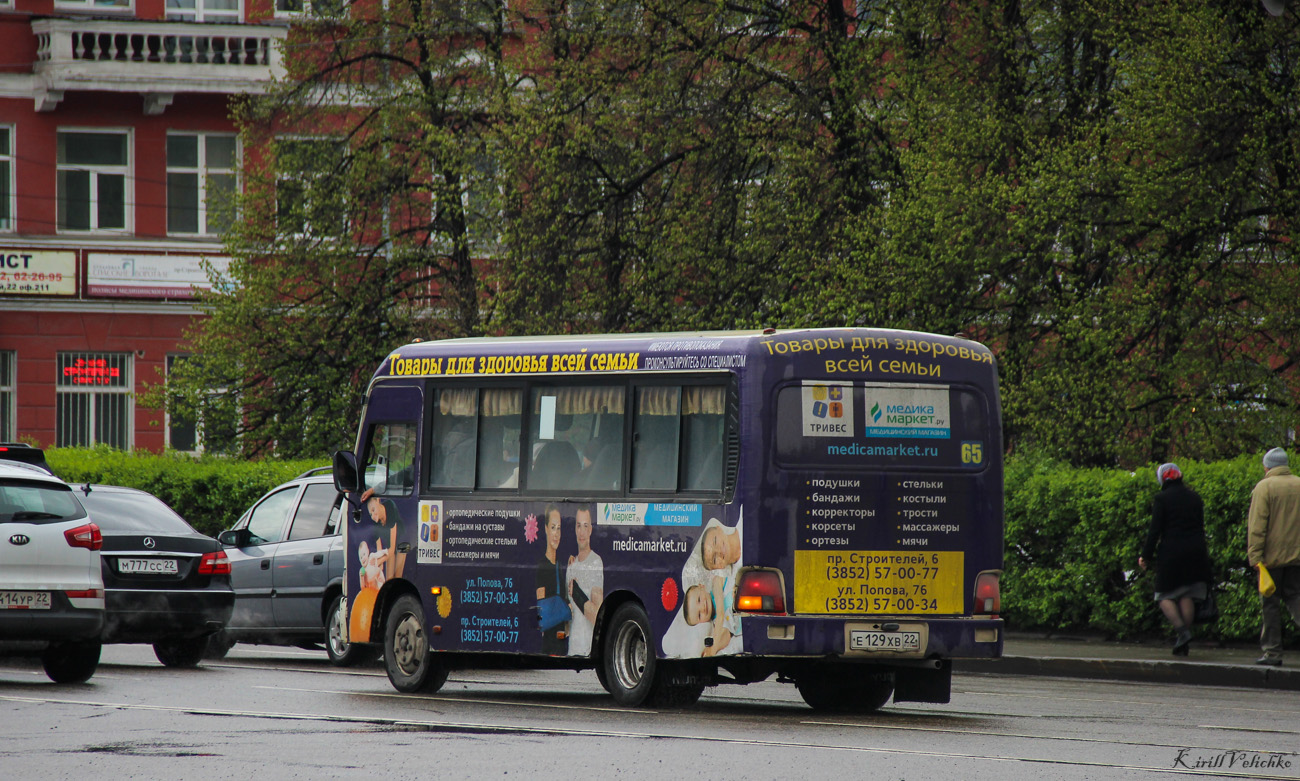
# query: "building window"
x,y
212,428
200,182
305,202
324,9
93,5
204,11
93,180
7,396
93,400
6,174
473,198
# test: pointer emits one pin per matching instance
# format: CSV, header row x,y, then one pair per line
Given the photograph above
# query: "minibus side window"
x,y
498,438
454,439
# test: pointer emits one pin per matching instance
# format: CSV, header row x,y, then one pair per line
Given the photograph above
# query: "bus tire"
x,y
411,665
629,659
341,652
631,672
603,676
844,690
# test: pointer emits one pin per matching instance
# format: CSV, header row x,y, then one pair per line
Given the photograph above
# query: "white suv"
x,y
51,585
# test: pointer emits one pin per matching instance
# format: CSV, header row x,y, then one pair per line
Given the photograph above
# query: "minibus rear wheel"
x,y
845,688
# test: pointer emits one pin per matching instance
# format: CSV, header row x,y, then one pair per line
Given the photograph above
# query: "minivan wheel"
x,y
342,653
72,662
410,664
181,653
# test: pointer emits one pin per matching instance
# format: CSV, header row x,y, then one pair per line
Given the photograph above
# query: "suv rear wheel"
x,y
72,662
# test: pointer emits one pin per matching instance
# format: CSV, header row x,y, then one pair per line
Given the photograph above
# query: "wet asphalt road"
x,y
280,713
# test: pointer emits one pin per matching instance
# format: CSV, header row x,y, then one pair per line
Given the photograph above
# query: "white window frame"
x,y
333,9
95,7
201,171
199,434
199,13
8,198
128,182
477,175
66,391
8,394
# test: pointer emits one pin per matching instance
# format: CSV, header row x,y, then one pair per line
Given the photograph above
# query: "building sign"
x,y
149,276
38,273
94,369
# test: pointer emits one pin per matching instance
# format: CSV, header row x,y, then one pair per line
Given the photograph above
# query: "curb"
x,y
1188,673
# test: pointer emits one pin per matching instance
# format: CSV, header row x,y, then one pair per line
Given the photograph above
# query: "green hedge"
x,y
209,492
1073,538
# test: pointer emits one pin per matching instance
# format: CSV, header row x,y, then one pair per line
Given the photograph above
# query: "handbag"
x,y
1207,610
554,610
1266,585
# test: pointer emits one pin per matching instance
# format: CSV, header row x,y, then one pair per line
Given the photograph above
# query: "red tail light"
x,y
988,596
760,591
214,563
90,593
87,536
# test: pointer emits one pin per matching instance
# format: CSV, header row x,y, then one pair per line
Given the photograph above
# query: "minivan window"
x,y
23,501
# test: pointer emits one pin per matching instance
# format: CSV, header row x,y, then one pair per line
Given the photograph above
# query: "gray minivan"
x,y
286,567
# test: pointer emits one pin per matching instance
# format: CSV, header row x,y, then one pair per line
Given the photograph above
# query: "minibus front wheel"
x,y
411,667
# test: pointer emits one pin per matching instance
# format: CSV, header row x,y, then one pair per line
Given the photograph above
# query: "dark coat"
x,y
1176,539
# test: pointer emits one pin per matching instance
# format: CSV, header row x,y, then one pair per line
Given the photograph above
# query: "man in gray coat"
x,y
1273,540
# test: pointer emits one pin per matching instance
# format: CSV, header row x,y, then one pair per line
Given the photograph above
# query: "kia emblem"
x,y
149,543
19,539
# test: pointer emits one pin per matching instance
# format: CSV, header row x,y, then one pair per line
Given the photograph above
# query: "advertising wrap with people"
x,y
532,577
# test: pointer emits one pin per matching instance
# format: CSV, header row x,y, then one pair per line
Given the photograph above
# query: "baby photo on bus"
x,y
707,624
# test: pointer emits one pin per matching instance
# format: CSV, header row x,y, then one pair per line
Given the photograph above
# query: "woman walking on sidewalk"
x,y
1176,544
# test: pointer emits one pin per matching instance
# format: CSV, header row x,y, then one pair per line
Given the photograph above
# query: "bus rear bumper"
x,y
823,636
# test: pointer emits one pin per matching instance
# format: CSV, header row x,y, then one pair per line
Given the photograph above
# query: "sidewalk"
x,y
1080,657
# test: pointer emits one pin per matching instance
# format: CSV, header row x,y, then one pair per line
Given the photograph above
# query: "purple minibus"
x,y
682,510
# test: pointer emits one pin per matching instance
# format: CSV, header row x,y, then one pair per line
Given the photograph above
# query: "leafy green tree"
x,y
1105,196
1104,193
687,164
370,201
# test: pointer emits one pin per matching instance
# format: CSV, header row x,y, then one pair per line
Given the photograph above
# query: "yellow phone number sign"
x,y
878,582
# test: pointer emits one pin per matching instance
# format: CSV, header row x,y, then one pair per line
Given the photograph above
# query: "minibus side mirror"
x,y
345,472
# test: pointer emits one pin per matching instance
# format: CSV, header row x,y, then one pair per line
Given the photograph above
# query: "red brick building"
x,y
114,140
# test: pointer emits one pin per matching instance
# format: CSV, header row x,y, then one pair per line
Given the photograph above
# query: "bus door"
x,y
382,536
